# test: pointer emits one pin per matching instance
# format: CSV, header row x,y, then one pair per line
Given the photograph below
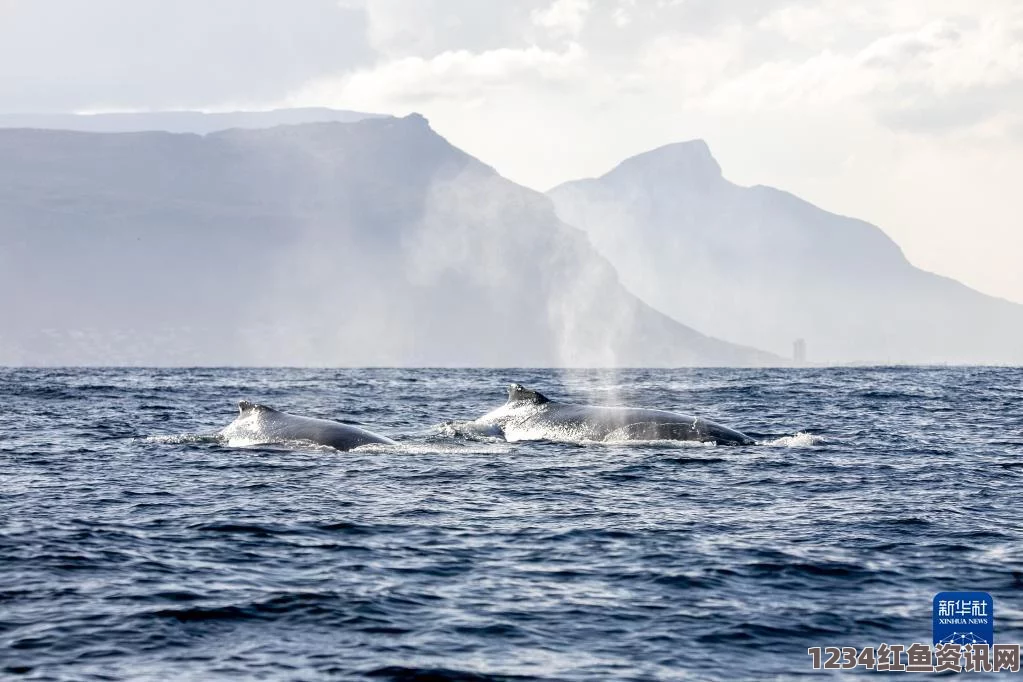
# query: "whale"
x,y
530,415
260,425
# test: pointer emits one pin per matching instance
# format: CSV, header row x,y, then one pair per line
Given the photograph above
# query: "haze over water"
x,y
133,547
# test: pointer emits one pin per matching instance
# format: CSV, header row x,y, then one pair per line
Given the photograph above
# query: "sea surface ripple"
x,y
134,546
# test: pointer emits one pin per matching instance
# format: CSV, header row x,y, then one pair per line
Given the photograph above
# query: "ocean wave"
x,y
177,557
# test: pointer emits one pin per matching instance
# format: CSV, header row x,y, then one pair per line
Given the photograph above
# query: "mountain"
x,y
373,242
759,266
179,121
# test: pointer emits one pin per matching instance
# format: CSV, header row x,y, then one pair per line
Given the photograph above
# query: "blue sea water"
x,y
134,546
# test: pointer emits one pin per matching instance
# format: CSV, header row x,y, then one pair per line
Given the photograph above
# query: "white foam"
x,y
235,441
250,442
470,431
433,449
180,439
800,439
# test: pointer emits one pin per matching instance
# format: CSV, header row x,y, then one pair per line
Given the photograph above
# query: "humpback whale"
x,y
259,424
530,415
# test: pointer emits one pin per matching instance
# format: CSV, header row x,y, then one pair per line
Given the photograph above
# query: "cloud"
x,y
915,66
622,15
457,75
425,28
947,73
822,97
979,111
61,55
563,16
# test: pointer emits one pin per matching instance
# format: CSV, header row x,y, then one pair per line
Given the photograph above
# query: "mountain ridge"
x,y
692,155
183,121
373,242
765,267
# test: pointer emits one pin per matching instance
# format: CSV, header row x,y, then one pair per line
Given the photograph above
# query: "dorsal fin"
x,y
245,406
518,392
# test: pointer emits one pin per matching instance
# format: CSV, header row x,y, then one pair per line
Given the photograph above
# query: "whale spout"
x,y
519,393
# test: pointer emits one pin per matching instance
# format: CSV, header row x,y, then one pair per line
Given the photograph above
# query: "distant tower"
x,y
799,351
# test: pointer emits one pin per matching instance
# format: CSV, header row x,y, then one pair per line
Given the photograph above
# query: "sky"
x,y
907,114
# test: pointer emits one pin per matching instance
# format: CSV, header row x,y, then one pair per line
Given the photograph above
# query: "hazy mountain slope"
x,y
179,121
366,243
759,266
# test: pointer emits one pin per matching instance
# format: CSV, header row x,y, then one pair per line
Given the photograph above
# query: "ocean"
x,y
134,545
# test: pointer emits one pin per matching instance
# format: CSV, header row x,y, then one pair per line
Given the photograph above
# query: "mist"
x,y
372,242
367,240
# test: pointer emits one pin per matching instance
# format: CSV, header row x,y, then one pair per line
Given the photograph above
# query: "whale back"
x,y
687,428
530,415
246,408
517,393
259,424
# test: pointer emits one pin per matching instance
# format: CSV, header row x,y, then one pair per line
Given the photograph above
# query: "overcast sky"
x,y
908,114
